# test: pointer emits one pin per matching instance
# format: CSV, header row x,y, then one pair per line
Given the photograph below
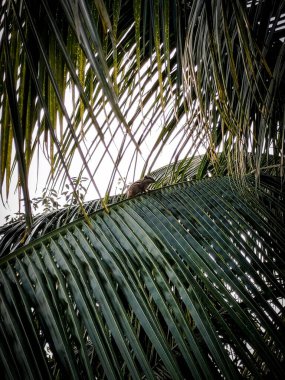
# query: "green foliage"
x,y
186,281
50,200
211,76
183,282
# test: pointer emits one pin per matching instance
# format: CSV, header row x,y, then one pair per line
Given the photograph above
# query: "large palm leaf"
x,y
184,282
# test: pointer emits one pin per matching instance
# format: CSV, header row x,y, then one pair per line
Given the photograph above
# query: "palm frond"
x,y
186,281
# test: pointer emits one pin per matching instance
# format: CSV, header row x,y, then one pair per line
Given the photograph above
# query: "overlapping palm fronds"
x,y
188,280
237,68
13,235
138,74
96,52
185,282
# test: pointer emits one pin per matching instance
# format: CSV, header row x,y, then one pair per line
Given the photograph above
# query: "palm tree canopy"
x,y
186,281
210,74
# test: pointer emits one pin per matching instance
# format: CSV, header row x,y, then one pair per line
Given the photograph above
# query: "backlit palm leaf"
x,y
210,73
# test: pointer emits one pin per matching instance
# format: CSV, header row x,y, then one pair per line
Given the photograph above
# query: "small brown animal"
x,y
139,186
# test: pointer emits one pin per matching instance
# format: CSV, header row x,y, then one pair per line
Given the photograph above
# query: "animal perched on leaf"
x,y
139,186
